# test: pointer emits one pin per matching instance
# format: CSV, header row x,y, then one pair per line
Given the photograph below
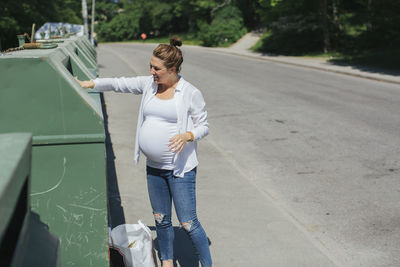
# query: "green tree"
x,y
383,20
296,26
299,27
154,17
17,16
225,28
249,9
106,20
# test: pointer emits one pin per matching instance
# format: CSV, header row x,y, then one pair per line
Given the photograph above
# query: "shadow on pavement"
x,y
343,63
364,68
184,252
116,214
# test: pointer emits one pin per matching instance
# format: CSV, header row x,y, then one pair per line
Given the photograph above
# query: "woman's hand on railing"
x,y
85,84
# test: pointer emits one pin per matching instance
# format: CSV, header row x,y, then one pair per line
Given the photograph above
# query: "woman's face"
x,y
160,73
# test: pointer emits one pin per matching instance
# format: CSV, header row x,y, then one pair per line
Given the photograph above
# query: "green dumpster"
x,y
38,94
76,51
76,48
24,238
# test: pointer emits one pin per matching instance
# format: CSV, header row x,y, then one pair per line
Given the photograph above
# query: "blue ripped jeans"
x,y
164,187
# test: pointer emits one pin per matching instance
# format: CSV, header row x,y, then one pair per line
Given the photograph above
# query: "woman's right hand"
x,y
85,84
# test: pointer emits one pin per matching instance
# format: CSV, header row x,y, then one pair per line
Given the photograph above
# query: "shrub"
x,y
121,27
226,27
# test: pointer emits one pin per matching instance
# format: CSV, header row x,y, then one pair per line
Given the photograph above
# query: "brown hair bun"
x,y
175,41
170,54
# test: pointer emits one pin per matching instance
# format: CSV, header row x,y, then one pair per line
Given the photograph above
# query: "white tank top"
x,y
159,125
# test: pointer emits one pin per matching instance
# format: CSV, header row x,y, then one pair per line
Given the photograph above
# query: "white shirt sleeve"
x,y
134,85
199,116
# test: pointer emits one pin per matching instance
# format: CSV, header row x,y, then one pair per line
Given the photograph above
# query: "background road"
x,y
301,167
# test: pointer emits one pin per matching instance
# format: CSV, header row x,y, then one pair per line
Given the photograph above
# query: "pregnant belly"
x,y
154,138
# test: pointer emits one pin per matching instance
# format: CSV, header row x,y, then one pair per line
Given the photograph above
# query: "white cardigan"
x,y
190,106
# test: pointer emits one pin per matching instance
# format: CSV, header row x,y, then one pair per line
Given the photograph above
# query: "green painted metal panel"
x,y
71,62
78,46
89,51
89,62
46,101
69,192
84,42
68,139
15,164
74,50
87,48
38,94
24,238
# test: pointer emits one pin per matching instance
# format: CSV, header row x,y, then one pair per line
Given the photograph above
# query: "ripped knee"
x,y
158,217
187,225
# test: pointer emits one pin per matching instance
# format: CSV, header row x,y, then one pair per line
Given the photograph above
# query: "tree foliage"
x,y
294,26
225,28
154,17
17,16
316,25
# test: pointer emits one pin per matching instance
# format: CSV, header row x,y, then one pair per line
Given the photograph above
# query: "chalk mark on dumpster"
x,y
86,207
59,182
93,199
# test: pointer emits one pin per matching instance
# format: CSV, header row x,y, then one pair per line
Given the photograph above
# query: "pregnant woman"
x,y
172,118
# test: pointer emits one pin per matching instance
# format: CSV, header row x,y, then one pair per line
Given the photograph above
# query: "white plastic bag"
x,y
135,243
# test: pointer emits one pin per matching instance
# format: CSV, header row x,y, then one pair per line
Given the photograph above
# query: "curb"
x,y
393,79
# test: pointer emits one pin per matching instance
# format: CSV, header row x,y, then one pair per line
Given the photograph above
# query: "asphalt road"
x,y
320,148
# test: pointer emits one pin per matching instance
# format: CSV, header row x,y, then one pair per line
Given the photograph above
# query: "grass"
x,y
329,55
383,59
258,45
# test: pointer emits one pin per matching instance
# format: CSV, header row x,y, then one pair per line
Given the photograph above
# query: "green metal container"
x,y
24,239
83,42
38,94
79,54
